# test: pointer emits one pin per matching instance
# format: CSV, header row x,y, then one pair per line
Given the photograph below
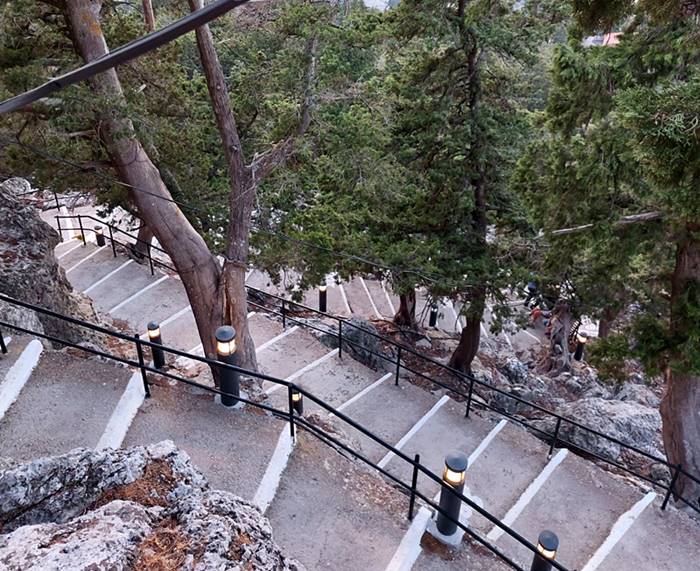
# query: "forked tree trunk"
x,y
241,199
406,314
198,269
680,407
142,248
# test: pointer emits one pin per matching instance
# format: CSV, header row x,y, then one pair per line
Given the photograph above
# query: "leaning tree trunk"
x,y
406,314
680,407
142,249
469,340
242,196
606,320
198,269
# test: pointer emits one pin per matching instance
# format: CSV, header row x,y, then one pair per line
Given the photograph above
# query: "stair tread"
x,y
657,541
446,431
14,350
65,404
231,447
358,300
331,513
290,354
496,479
73,255
389,412
94,269
438,557
121,286
155,304
581,502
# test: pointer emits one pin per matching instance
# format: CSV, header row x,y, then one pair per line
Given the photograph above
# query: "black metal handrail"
x,y
469,381
56,205
287,415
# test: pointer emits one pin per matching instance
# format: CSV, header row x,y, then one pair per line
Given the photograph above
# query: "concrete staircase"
x,y
327,510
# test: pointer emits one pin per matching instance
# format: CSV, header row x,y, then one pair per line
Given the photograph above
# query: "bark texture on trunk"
x,y
406,314
197,267
606,320
148,15
680,407
468,346
559,358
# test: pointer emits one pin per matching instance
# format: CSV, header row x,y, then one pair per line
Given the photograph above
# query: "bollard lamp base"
x,y
452,540
239,405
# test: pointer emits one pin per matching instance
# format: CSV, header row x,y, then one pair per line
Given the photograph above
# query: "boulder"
x,y
360,342
638,393
29,270
629,422
138,508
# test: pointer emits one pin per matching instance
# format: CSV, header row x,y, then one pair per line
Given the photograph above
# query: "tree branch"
x,y
264,164
624,221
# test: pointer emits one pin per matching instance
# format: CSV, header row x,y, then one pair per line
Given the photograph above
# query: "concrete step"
x,y
16,366
580,502
231,447
290,354
503,471
16,342
128,281
334,381
445,431
381,299
656,541
90,271
75,253
157,303
360,303
333,514
264,329
389,412
65,404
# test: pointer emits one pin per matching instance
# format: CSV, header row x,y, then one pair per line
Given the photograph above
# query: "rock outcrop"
x,y
137,508
29,270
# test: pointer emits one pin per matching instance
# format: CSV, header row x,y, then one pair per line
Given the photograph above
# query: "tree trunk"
x,y
680,407
606,320
148,15
406,314
142,248
198,269
241,199
559,358
469,340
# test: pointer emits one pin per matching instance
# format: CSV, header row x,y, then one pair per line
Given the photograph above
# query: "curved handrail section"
x,y
471,386
289,415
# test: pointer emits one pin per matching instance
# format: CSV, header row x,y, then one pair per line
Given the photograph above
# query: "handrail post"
x,y
340,338
414,484
469,398
284,317
556,437
150,261
671,486
398,366
3,347
58,227
111,240
291,411
55,197
82,230
142,366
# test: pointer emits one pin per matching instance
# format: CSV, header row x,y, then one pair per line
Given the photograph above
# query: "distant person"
x,y
531,292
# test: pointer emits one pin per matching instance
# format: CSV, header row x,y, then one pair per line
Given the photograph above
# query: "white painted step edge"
x,y
19,374
528,494
618,530
123,414
273,473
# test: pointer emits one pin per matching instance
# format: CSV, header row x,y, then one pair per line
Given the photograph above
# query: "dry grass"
x,y
166,549
149,490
